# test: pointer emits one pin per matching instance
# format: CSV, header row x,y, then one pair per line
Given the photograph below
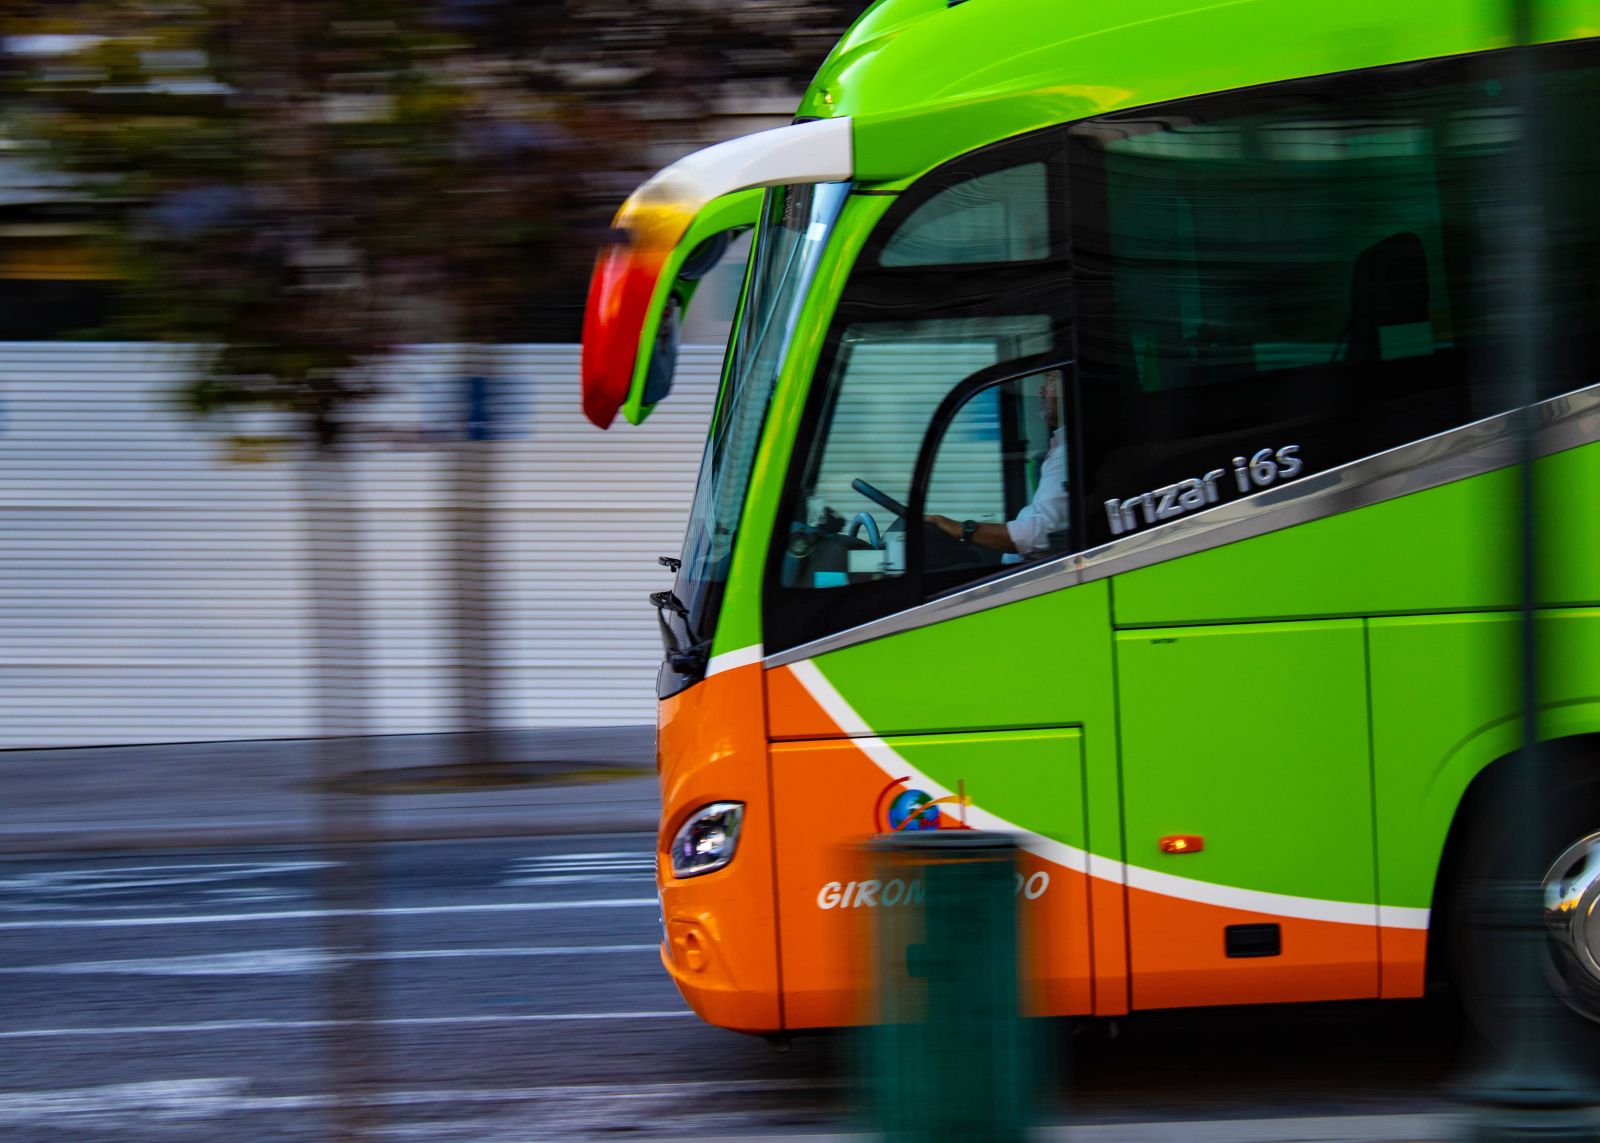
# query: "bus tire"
x,y
1568,870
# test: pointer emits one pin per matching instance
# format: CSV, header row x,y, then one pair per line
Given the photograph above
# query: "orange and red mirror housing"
x,y
662,223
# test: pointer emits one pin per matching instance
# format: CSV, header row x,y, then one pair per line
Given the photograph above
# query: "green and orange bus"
x,y
1116,447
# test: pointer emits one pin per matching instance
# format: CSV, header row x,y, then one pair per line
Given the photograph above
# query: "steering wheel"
x,y
864,520
880,498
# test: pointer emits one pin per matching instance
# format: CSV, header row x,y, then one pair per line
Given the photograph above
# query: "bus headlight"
x,y
707,841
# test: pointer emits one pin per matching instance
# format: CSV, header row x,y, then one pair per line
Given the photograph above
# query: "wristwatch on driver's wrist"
x,y
969,528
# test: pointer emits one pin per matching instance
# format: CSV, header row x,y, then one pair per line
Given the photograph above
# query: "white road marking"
x,y
270,962
311,1025
122,877
168,1099
200,1098
313,914
553,950
251,894
256,962
571,868
529,867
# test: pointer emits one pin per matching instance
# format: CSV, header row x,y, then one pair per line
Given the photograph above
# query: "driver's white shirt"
x,y
1030,531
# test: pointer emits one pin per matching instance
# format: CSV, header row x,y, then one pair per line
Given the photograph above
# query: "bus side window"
x,y
1315,264
1002,216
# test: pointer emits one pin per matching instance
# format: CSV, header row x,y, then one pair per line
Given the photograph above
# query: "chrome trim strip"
x,y
1565,422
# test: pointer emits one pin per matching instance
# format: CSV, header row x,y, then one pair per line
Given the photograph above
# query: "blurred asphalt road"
x,y
513,992
488,992
590,780
153,993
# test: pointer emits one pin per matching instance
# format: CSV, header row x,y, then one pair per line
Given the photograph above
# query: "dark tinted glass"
x,y
1003,216
1276,282
1570,150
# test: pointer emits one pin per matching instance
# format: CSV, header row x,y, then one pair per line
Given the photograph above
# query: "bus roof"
x,y
926,81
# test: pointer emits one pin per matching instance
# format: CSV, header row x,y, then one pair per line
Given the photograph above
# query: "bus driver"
x,y
1029,534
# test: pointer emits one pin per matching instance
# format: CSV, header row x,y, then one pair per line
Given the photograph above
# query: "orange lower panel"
x,y
792,712
1108,904
1179,959
1405,962
721,945
829,897
719,989
1057,967
829,954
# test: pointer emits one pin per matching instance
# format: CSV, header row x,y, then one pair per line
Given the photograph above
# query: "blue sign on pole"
x,y
479,410
473,407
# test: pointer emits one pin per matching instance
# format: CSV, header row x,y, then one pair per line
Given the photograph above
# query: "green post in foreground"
x,y
948,1054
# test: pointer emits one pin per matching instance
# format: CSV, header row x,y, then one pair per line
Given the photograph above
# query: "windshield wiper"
x,y
690,655
669,601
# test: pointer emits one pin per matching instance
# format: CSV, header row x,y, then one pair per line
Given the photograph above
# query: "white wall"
x,y
154,590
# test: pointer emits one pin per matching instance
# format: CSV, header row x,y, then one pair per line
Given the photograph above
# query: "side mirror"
x,y
670,232
664,354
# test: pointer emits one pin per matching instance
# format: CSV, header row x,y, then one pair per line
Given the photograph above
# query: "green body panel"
x,y
1445,703
908,77
1451,548
1021,774
1569,562
737,211
1255,737
1055,668
1012,666
739,625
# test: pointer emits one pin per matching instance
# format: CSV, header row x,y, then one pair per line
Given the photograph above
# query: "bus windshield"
x,y
795,224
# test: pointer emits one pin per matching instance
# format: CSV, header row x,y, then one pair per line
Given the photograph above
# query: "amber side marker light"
x,y
1182,843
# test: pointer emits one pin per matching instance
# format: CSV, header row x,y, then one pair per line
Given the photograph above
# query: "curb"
x,y
1403,1128
295,835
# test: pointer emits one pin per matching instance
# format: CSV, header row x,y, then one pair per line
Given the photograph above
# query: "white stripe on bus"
x,y
730,660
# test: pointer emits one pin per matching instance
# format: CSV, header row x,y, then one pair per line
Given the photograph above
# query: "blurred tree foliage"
x,y
303,184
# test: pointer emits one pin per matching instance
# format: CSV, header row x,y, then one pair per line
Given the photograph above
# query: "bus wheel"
x,y
1572,917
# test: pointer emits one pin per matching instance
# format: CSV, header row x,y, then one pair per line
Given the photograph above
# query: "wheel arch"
x,y
1566,760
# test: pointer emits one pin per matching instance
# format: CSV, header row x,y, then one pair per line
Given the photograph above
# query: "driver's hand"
x,y
946,525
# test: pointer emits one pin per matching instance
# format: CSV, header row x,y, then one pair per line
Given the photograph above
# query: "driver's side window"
x,y
879,532
998,482
917,468
849,521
